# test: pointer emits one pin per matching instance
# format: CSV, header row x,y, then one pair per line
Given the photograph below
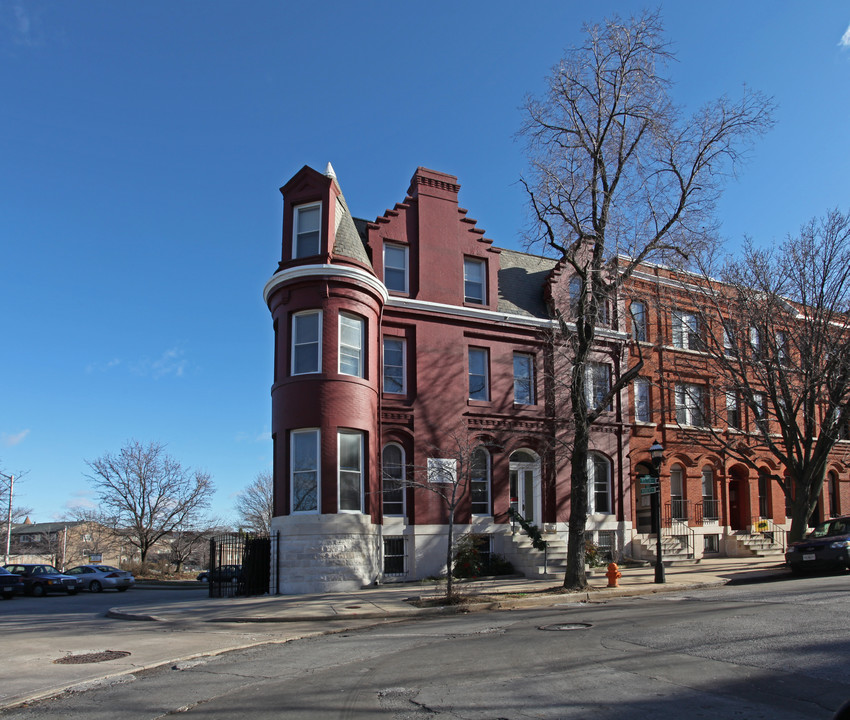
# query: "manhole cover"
x,y
91,657
352,607
566,626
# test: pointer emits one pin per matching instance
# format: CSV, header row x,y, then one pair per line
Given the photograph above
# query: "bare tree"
x,y
255,504
449,474
147,493
777,331
618,175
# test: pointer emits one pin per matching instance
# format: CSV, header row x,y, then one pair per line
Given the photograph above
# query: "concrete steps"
x,y
535,563
757,545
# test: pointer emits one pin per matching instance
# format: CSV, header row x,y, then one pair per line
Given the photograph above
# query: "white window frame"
x,y
643,400
595,486
316,469
691,404
524,380
349,472
484,394
686,330
297,232
782,347
470,282
346,350
400,479
760,407
598,375
729,338
480,483
404,269
639,321
317,367
403,367
755,343
733,410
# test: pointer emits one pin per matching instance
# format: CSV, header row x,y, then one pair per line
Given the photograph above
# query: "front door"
x,y
525,489
522,493
739,504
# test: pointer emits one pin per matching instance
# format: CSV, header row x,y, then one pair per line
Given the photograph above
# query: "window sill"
x,y
478,403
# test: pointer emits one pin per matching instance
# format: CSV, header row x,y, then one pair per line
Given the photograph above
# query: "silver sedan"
x,y
101,577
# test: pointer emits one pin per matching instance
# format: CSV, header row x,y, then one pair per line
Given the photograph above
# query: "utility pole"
x,y
11,479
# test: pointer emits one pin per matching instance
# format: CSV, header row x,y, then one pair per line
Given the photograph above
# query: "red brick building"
x,y
400,342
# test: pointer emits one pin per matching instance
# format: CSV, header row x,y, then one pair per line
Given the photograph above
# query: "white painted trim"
x,y
434,308
324,271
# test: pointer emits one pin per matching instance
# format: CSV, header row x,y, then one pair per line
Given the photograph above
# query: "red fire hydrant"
x,y
613,575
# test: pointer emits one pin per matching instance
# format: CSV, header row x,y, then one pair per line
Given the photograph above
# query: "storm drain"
x,y
91,657
566,626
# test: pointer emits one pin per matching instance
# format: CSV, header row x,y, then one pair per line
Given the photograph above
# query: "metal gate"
x,y
240,565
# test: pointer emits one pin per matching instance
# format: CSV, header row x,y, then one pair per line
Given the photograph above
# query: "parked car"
x,y
225,573
826,547
102,577
42,579
10,584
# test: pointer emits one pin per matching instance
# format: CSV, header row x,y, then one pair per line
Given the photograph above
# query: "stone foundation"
x,y
326,553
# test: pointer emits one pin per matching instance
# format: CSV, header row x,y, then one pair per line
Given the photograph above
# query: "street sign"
x,y
648,484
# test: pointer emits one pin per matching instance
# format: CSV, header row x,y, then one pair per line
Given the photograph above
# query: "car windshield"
x,y
839,526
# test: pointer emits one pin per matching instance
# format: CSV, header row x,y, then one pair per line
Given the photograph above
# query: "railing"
x,y
769,529
677,509
681,532
707,511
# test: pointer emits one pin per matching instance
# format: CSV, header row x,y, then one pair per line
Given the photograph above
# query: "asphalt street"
x,y
771,650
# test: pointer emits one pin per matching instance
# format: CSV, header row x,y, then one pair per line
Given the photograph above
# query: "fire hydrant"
x,y
613,575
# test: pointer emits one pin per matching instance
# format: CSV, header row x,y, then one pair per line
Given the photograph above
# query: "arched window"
x,y
392,463
834,495
599,484
764,482
480,482
710,506
678,507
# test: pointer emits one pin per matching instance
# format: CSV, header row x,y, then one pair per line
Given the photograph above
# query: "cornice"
x,y
344,272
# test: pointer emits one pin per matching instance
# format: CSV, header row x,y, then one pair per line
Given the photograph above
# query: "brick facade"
x,y
401,339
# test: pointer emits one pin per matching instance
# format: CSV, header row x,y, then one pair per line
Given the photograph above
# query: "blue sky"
x,y
142,146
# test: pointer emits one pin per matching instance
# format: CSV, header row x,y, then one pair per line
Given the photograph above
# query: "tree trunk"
x,y
575,577
449,578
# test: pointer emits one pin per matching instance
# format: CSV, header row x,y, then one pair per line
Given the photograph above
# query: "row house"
x,y
412,343
713,503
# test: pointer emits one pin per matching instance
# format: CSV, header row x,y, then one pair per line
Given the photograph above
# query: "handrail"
x,y
770,530
530,529
678,529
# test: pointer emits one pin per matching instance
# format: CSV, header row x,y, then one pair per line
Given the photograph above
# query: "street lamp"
x,y
656,453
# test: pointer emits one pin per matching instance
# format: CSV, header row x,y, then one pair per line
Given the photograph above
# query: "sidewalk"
x,y
393,600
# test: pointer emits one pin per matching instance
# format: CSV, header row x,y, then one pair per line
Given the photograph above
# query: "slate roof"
x,y
348,242
522,278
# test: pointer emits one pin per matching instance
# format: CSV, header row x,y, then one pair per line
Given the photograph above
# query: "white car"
x,y
101,577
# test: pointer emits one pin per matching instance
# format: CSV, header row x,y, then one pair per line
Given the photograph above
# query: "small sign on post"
x,y
648,484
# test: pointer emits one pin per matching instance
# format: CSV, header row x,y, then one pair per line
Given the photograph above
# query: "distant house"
x,y
65,544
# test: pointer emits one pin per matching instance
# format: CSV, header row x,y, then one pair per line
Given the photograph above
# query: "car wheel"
x,y
8,594
37,590
122,589
95,586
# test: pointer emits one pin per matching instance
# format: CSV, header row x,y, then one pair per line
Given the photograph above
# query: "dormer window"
x,y
306,230
474,281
